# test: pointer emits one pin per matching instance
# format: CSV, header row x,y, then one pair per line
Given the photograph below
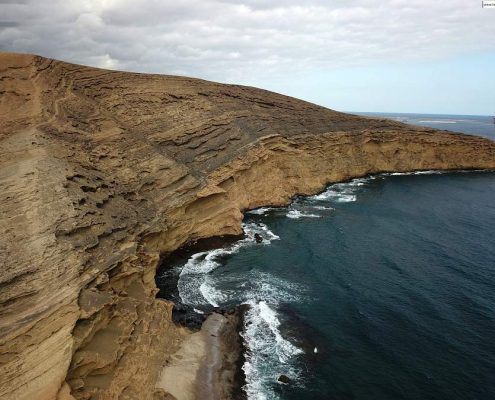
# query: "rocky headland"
x,y
101,172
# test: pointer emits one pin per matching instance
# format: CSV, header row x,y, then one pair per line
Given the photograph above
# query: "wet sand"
x,y
207,366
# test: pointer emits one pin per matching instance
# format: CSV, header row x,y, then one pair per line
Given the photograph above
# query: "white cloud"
x,y
233,40
106,62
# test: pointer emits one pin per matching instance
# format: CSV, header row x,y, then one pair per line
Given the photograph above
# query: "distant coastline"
x,y
480,125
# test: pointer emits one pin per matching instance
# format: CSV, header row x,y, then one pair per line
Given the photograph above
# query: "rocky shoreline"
x,y
187,316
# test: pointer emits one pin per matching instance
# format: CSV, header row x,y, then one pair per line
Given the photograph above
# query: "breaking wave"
x,y
342,192
296,214
260,211
195,286
427,172
269,353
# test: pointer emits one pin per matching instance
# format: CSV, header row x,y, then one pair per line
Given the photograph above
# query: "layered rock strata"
x,y
102,171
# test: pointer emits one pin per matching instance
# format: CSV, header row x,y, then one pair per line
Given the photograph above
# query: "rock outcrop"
x,y
102,171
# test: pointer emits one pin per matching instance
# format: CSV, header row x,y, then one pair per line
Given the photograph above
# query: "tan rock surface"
x,y
100,171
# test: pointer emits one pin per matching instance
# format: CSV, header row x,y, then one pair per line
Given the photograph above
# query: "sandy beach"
x,y
207,365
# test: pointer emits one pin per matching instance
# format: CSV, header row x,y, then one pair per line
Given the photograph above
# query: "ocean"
x,y
481,125
379,288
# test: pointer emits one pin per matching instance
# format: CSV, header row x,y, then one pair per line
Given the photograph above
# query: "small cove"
x,y
376,288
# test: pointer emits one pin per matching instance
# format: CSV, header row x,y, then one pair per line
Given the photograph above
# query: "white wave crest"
x,y
194,285
426,172
268,352
296,214
338,196
210,293
323,208
260,211
264,286
345,192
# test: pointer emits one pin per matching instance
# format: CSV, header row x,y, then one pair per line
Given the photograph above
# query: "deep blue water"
x,y
379,288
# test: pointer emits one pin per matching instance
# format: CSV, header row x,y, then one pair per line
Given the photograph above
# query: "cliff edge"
x,y
101,171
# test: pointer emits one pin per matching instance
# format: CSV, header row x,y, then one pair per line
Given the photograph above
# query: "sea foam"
x,y
260,211
268,352
345,192
296,214
426,172
195,286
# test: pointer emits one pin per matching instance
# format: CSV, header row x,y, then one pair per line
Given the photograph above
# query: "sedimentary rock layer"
x,y
100,171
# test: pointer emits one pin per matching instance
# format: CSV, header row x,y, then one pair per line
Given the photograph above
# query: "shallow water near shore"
x,y
378,288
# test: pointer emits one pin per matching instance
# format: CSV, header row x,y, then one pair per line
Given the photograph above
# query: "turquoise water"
x,y
378,288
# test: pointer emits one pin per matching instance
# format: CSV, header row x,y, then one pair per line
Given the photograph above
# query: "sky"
x,y
430,56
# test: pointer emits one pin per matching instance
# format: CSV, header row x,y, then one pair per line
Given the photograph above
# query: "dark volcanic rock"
x,y
186,316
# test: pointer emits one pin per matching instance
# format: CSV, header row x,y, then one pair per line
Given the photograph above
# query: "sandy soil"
x,y
206,364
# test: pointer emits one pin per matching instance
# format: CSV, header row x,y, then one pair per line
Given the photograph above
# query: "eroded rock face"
x,y
101,171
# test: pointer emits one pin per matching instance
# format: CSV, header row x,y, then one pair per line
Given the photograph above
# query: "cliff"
x,y
101,171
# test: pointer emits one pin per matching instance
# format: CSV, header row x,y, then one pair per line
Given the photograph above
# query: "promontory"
x,y
102,172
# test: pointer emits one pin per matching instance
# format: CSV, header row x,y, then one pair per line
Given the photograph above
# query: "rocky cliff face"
x,y
101,171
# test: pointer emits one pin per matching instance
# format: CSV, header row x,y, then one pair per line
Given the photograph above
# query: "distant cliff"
x,y
100,171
